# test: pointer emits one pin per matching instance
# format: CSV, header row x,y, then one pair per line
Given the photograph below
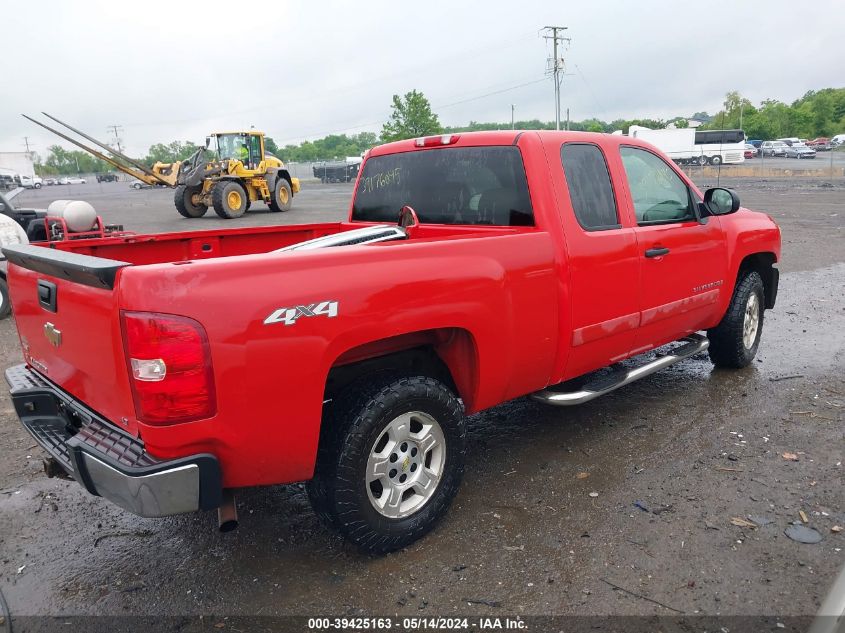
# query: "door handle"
x,y
657,251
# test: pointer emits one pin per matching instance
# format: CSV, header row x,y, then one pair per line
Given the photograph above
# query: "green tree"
x,y
270,146
411,117
171,152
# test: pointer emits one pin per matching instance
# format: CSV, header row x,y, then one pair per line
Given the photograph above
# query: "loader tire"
x,y
282,197
183,199
229,199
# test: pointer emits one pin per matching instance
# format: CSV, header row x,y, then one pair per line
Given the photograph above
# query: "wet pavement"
x,y
678,460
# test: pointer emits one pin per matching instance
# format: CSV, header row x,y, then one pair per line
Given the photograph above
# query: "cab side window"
x,y
658,193
590,190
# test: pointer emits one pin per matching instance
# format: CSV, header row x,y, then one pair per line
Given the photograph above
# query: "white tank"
x,y
78,214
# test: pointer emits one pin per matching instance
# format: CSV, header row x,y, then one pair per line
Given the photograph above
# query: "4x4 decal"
x,y
289,316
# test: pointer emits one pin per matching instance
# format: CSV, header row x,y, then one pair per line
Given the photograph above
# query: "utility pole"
x,y
512,107
26,142
556,64
29,153
116,129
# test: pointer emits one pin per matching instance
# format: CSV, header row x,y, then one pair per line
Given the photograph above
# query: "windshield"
x,y
467,185
231,146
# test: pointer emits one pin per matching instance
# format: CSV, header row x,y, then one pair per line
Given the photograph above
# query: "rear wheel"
x,y
5,303
282,197
229,199
734,342
702,160
188,202
390,462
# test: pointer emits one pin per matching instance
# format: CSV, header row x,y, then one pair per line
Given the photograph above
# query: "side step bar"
x,y
693,344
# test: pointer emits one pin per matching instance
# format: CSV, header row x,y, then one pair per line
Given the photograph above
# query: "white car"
x,y
31,182
72,180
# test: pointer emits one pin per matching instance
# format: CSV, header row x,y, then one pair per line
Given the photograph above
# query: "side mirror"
x,y
720,201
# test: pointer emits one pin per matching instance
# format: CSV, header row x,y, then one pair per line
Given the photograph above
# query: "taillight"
x,y
433,141
169,366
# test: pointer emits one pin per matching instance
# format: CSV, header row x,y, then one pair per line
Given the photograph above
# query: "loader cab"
x,y
247,147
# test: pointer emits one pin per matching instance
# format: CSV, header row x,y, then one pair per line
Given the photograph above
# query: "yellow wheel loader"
x,y
231,172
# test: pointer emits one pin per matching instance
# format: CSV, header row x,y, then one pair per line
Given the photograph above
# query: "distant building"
x,y
19,163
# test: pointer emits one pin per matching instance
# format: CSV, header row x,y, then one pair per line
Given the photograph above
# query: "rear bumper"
x,y
106,461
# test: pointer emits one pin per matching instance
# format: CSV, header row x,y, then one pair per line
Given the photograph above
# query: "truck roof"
x,y
502,137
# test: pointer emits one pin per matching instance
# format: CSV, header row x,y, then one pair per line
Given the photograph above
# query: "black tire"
x,y
223,196
356,421
282,198
715,160
37,185
727,345
136,185
702,160
183,199
5,302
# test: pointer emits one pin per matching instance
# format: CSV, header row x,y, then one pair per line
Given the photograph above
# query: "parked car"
x,y
837,140
388,334
140,185
72,180
773,148
50,181
756,143
750,151
799,150
106,177
821,144
31,182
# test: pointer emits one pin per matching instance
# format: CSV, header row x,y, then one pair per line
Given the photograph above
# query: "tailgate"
x,y
67,315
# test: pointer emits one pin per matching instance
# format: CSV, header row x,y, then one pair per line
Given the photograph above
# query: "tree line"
x,y
817,113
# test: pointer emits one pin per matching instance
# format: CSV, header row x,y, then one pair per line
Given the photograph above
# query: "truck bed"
x,y
195,245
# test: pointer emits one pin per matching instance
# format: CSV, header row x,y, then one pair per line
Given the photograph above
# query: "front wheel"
x,y
734,342
188,201
229,199
390,462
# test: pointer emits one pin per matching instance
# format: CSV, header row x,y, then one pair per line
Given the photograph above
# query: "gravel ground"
x,y
675,459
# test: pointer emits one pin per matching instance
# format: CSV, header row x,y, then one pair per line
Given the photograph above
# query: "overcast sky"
x,y
178,70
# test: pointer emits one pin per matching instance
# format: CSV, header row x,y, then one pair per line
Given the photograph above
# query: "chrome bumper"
x,y
106,461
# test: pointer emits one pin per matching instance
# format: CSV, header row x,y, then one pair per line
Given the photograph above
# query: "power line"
x,y
434,108
556,64
115,130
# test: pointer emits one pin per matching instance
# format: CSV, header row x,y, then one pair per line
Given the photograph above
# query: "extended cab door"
x,y
683,259
602,258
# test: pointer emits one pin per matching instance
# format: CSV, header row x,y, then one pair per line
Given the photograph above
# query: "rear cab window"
x,y
590,189
454,185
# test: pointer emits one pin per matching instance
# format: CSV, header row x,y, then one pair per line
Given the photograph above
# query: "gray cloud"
x,y
173,70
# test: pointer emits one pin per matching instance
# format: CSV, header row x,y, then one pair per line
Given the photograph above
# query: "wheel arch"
x,y
763,264
446,354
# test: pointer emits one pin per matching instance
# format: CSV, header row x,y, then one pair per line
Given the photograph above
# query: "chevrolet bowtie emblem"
x,y
53,335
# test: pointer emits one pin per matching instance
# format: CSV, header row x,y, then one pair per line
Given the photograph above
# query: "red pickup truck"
x,y
164,371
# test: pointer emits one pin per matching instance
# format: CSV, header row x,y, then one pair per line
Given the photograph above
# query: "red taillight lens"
x,y
434,141
169,366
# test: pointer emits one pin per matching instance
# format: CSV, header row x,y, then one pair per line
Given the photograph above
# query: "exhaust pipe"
x,y
227,513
